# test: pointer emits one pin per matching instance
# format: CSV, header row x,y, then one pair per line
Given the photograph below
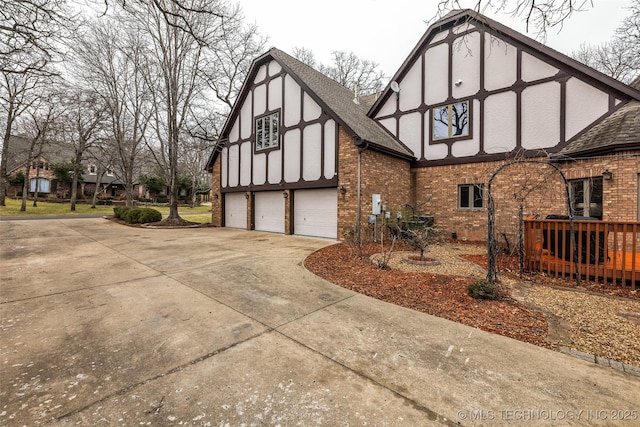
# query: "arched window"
x,y
44,186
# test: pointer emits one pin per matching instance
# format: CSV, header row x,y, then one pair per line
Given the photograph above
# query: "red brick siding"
x,y
539,187
380,174
216,196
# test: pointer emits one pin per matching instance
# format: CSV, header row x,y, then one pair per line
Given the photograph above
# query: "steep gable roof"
x,y
457,17
18,152
335,99
340,100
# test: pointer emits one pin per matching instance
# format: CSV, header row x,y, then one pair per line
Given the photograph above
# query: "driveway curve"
x,y
102,324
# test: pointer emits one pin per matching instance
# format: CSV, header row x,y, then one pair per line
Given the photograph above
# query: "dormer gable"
x,y
473,89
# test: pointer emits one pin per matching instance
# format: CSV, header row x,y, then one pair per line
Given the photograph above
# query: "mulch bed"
x,y
439,295
509,265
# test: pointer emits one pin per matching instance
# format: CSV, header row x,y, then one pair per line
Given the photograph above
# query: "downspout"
x,y
361,148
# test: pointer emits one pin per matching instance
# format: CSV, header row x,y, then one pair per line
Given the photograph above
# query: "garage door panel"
x,y
269,211
316,213
235,210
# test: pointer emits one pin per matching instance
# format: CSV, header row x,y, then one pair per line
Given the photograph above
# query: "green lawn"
x,y
200,214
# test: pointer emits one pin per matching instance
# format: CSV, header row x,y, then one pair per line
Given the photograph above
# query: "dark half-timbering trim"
x,y
321,183
479,158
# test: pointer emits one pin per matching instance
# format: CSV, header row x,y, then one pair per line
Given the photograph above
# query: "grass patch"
x,y
201,219
12,208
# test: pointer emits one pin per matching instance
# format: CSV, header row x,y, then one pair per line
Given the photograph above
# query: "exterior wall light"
x,y
215,196
607,175
285,194
343,190
246,196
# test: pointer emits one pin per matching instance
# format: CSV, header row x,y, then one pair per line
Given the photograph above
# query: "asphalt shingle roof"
x,y
340,101
619,131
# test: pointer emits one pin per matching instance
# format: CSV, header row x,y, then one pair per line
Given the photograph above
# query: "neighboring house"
x,y
110,185
42,177
301,154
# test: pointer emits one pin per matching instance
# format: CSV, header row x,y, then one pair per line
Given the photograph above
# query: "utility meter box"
x,y
375,203
372,219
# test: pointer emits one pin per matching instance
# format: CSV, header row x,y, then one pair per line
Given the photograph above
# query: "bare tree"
x,y
19,92
361,75
112,61
82,121
227,64
195,153
620,57
30,32
38,125
305,55
180,36
539,15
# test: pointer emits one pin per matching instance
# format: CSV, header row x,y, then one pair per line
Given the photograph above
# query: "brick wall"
x,y
216,197
539,188
42,173
380,174
620,194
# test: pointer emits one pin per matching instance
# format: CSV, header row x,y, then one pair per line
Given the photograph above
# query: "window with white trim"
x,y
267,131
471,196
42,185
451,121
93,170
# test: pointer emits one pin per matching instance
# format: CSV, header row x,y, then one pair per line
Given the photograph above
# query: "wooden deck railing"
x,y
606,250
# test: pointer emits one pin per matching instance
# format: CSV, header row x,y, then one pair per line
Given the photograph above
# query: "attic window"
x,y
93,170
267,131
451,121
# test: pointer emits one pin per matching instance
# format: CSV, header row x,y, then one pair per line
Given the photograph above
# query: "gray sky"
x,y
385,31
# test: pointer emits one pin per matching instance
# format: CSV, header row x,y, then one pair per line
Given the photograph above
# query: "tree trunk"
x,y
99,175
3,162
5,150
74,178
25,186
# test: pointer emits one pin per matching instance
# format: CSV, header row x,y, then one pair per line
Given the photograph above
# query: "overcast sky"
x,y
385,31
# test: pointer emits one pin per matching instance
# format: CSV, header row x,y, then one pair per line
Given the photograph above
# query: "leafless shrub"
x,y
423,237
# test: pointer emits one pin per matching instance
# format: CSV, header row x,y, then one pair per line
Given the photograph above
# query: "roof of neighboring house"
x,y
106,179
18,155
18,152
335,99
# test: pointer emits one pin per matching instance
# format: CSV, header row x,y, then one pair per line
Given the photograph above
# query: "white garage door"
x,y
316,213
269,211
235,210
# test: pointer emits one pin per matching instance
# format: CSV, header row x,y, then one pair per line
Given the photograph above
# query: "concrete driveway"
x,y
103,324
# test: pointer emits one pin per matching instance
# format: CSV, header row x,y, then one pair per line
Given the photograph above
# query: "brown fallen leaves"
x,y
439,295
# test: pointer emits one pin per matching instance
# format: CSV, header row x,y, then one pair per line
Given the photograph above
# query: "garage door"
x,y
235,210
269,210
316,213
